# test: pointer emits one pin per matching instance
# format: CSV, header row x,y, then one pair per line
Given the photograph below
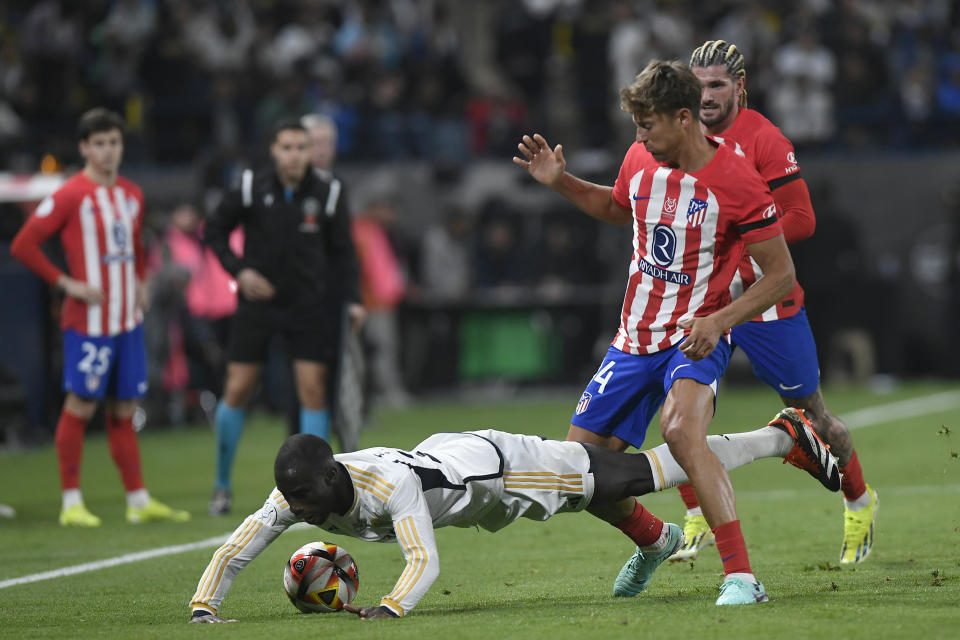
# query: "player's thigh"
x,y
87,362
128,376
783,354
80,406
250,332
620,400
691,388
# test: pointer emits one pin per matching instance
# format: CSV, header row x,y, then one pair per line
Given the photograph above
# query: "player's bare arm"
x,y
548,167
254,286
777,282
79,290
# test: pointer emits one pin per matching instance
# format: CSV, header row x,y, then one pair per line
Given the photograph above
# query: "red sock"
x,y
851,483
641,526
689,495
732,548
69,443
125,450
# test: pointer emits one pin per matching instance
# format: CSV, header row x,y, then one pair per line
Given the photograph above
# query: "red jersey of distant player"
x,y
100,229
760,141
687,235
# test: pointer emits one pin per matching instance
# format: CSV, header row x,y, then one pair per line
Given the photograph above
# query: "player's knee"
x,y
83,408
684,445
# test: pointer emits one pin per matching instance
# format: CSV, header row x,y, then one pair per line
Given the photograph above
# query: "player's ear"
x,y
331,475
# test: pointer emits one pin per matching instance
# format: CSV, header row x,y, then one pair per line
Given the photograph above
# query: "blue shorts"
x,y
783,354
113,366
628,390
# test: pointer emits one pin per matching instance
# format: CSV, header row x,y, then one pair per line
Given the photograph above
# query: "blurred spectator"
x,y
500,257
383,287
445,257
192,301
218,34
801,101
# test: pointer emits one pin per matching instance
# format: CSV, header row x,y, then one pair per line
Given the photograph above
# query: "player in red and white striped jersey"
x,y
779,342
98,217
692,202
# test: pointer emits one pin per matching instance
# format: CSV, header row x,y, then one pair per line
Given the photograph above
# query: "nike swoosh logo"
x,y
672,373
786,388
641,197
727,558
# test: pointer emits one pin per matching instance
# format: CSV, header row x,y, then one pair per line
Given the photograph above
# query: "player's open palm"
x,y
546,165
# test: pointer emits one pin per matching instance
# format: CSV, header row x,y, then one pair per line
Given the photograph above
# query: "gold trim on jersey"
x,y
396,608
277,497
370,482
408,537
227,552
543,480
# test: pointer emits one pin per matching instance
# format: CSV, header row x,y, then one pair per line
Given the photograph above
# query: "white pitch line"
x,y
869,417
112,562
912,408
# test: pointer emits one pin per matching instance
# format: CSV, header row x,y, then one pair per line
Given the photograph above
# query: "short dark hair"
x,y
662,87
98,120
287,124
302,455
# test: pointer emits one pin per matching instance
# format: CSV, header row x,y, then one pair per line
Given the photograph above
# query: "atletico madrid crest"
x,y
696,212
584,402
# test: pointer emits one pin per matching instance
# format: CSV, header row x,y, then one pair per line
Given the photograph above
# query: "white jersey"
x,y
480,478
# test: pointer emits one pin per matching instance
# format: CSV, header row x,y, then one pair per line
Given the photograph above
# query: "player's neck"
x,y
696,154
107,179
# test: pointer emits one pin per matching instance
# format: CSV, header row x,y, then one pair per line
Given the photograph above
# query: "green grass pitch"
x,y
531,580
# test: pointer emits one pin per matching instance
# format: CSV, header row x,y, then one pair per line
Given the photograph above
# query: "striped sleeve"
x,y
414,528
253,535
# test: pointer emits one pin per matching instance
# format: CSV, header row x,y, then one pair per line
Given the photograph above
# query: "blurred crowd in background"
x,y
427,95
202,80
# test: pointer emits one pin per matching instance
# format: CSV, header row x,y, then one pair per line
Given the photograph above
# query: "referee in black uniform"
x,y
296,235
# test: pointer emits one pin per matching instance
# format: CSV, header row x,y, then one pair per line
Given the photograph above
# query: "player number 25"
x,y
95,361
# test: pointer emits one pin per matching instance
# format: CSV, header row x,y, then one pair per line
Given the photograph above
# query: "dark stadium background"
x,y
430,98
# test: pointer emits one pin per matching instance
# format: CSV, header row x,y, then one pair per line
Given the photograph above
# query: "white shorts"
x,y
540,478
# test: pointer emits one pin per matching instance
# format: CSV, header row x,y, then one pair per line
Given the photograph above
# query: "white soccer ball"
x,y
320,578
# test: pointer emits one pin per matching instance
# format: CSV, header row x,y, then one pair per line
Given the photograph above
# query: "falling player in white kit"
x,y
479,478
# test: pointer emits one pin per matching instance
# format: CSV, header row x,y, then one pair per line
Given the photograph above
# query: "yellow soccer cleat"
x,y
155,511
78,516
858,529
698,536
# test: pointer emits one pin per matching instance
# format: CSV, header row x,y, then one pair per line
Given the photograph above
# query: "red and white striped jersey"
x,y
762,143
100,230
689,231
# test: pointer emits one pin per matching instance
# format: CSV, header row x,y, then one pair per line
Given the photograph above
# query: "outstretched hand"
x,y
369,613
544,164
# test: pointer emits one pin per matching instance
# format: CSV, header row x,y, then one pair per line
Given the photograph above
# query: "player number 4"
x,y
602,377
95,361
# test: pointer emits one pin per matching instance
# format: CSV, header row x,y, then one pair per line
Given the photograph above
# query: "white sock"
x,y
661,542
696,511
733,449
138,498
71,497
747,577
860,503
